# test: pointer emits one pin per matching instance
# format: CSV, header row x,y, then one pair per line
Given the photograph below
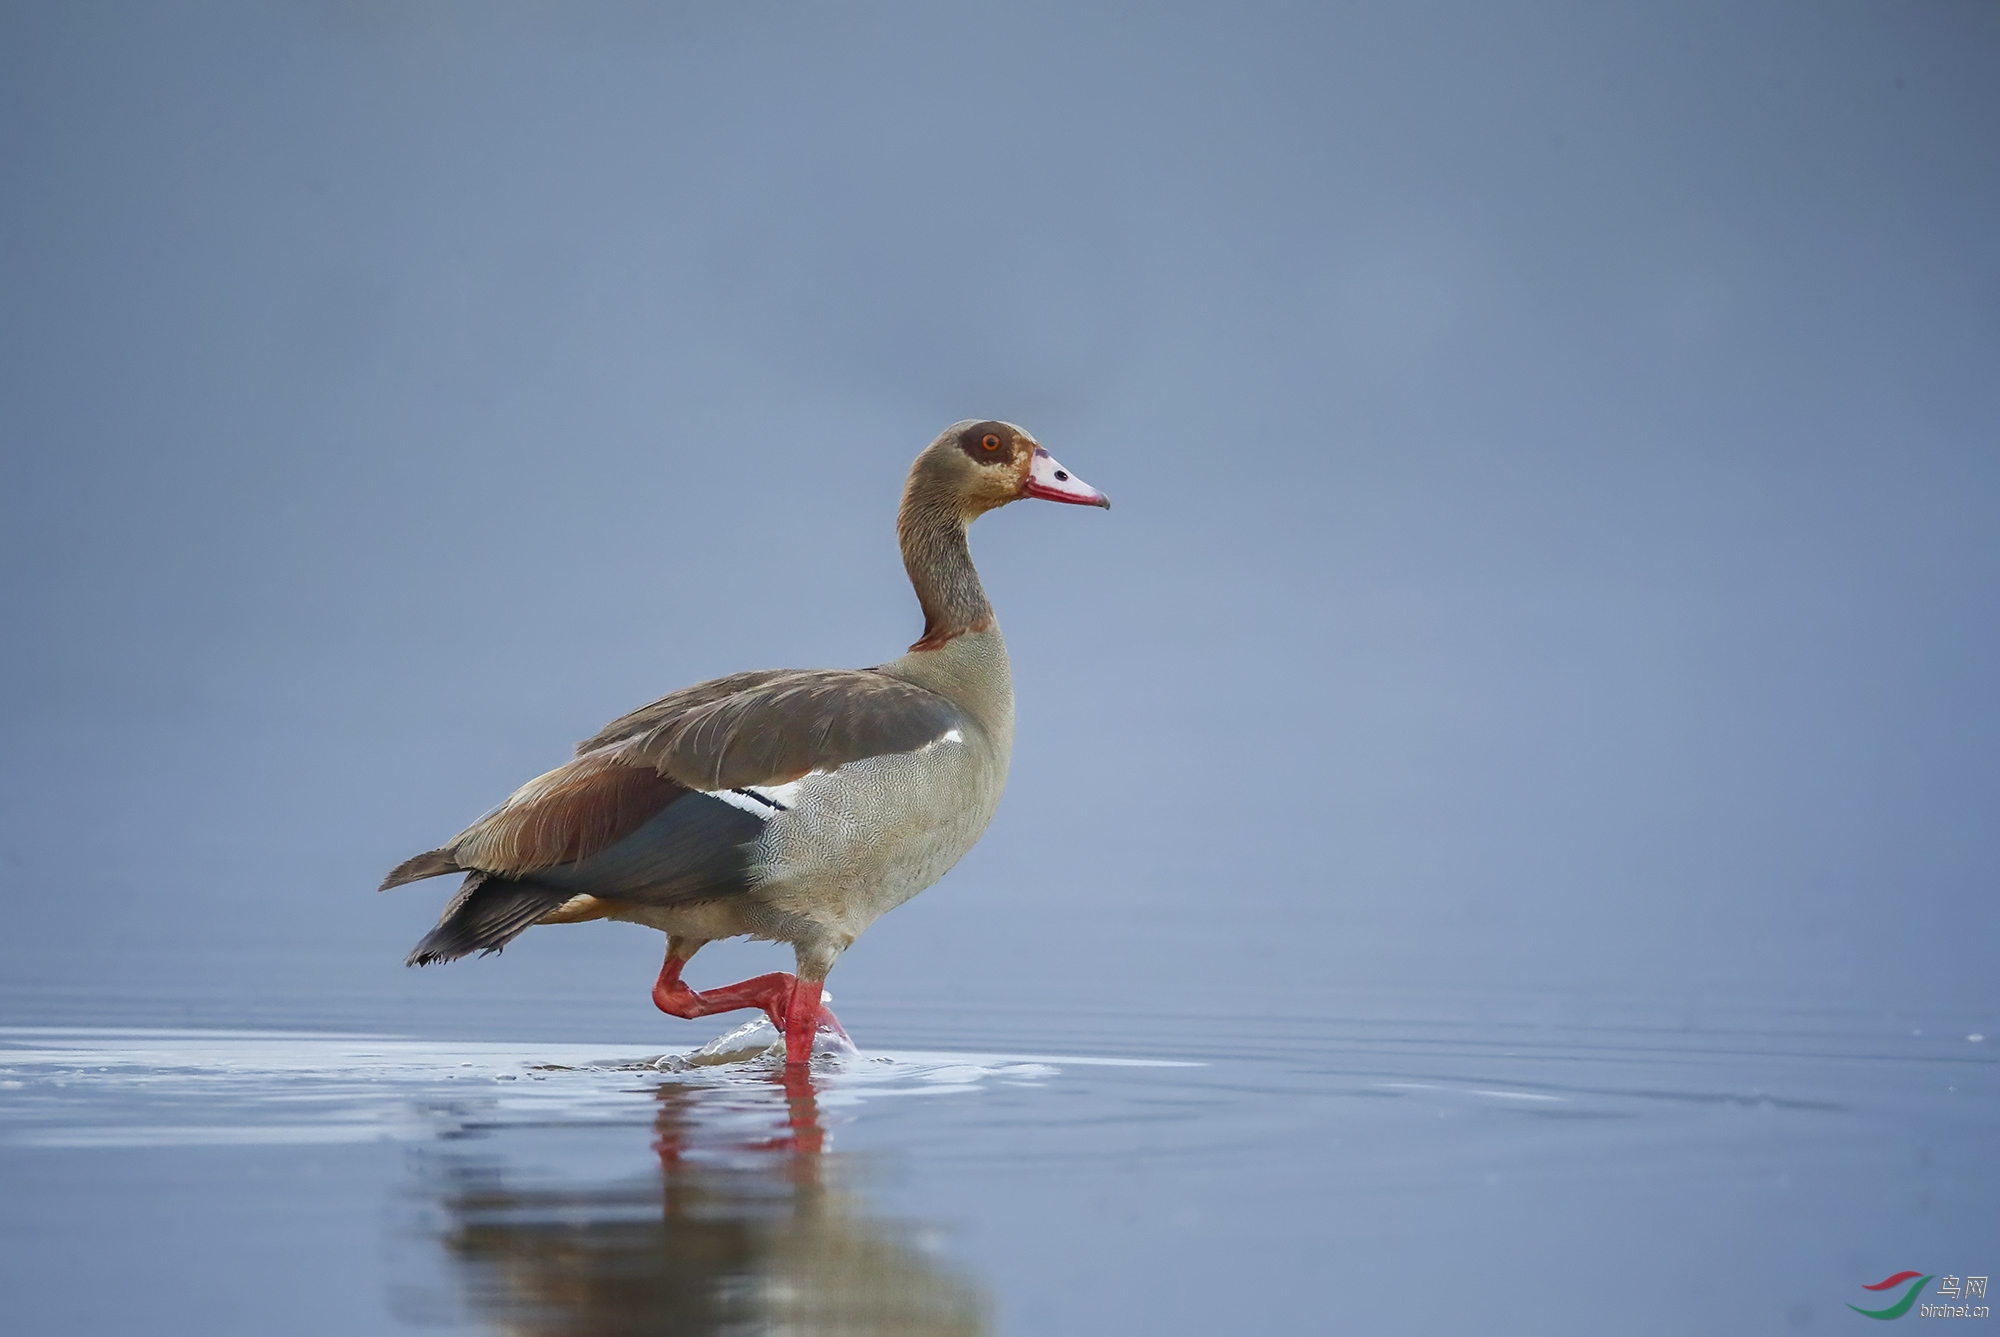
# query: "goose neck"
x,y
939,562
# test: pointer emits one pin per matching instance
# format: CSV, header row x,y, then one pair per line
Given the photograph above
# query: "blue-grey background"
x,y
1553,450
1527,727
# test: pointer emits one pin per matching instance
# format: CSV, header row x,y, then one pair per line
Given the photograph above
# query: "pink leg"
x,y
822,1015
802,1022
769,994
792,1004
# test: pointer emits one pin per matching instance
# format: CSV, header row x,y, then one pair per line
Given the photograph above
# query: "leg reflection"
x,y
749,1228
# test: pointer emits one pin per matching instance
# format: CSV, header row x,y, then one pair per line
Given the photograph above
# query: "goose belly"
x,y
852,843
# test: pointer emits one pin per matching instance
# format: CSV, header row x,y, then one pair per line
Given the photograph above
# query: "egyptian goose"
x,y
793,805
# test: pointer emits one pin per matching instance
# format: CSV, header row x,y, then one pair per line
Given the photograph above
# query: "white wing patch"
x,y
763,801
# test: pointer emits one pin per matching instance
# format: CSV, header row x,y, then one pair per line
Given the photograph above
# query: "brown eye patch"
x,y
987,442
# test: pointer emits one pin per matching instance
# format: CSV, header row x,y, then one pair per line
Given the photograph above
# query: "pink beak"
x,y
1051,482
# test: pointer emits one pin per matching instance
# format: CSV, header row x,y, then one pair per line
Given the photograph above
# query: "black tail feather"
x,y
486,915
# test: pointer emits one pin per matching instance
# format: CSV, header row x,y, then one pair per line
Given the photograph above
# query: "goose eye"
x,y
990,441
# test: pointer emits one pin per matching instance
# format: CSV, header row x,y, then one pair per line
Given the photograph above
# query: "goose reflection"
x,y
747,1230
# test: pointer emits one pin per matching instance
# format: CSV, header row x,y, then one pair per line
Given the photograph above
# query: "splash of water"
x,y
755,1040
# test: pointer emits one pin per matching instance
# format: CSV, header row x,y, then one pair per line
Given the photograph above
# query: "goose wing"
x,y
653,777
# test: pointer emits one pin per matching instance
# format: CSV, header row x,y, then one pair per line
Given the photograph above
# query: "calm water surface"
x,y
1370,1163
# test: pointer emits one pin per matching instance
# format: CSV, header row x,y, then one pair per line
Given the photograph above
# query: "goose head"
x,y
979,465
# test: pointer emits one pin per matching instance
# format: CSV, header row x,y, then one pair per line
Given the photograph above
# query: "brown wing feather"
x,y
788,725
569,814
431,863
